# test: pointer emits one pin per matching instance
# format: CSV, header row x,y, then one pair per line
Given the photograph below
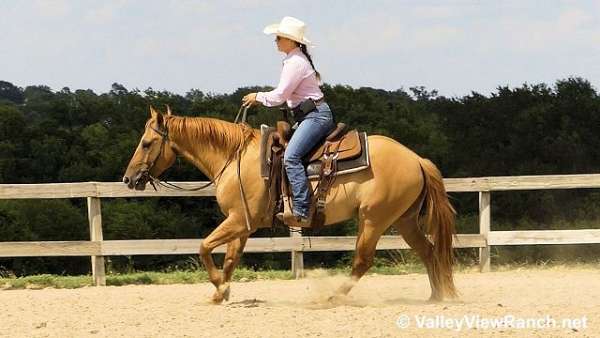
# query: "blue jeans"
x,y
310,132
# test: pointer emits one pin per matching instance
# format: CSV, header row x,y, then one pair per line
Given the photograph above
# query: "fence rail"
x,y
97,248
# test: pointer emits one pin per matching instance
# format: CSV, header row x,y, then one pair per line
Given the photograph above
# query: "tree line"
x,y
79,135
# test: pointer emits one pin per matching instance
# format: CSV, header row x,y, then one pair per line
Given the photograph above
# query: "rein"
x,y
236,154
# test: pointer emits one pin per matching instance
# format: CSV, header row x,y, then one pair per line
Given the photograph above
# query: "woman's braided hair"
x,y
305,51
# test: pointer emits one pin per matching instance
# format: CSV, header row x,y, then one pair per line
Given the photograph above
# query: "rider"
x,y
299,83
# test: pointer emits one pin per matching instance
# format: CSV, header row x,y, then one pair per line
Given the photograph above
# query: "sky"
x,y
455,47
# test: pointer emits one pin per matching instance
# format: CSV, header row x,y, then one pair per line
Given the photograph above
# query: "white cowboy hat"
x,y
290,28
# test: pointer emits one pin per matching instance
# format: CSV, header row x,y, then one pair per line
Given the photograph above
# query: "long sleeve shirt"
x,y
297,83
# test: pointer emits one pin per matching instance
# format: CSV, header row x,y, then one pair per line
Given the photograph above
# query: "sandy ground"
x,y
375,308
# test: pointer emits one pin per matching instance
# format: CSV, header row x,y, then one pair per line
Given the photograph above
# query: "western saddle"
x,y
342,149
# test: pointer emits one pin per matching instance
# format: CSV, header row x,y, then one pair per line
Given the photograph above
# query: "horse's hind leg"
x,y
366,243
413,235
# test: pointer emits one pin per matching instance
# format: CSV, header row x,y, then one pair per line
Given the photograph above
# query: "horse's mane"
x,y
203,131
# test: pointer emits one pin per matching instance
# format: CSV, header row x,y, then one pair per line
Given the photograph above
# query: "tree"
x,y
10,92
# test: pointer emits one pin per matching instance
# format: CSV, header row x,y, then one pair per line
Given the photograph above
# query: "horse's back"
x,y
393,180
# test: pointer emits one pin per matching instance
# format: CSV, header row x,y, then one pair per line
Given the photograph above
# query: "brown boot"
x,y
296,221
289,219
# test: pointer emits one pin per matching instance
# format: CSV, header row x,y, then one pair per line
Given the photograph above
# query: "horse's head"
x,y
153,155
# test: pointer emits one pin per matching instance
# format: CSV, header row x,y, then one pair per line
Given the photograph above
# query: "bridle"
x,y
157,181
236,154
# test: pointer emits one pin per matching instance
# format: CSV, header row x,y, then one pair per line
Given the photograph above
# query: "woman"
x,y
298,83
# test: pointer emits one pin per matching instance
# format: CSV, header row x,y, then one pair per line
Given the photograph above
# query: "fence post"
x,y
297,256
95,220
484,229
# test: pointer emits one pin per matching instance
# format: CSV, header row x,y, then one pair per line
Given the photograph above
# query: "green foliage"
x,y
42,220
70,136
245,275
138,278
10,92
146,220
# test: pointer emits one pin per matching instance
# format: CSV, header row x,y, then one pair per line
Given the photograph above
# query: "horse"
x,y
400,189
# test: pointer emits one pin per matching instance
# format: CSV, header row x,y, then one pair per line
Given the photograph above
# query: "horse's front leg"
x,y
235,250
230,230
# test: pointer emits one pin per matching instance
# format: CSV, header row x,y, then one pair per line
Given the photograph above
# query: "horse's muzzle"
x,y
138,182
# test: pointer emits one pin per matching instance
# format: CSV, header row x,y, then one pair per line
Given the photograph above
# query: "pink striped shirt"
x,y
297,83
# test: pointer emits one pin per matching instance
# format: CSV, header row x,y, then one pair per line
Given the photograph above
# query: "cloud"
x,y
452,46
567,28
436,11
375,34
573,20
436,36
189,7
371,33
103,14
52,8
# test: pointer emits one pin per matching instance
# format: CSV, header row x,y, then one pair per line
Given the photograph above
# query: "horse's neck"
x,y
208,156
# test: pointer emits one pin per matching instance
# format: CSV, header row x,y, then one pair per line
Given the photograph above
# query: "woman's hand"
x,y
249,100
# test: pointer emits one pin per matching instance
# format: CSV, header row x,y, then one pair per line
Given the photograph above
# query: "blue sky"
x,y
217,46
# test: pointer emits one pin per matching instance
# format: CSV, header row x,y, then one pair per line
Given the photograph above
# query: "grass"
x,y
136,278
244,275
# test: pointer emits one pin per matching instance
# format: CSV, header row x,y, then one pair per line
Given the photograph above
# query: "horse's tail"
x,y
439,219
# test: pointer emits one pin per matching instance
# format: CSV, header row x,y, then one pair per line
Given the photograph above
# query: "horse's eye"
x,y
146,144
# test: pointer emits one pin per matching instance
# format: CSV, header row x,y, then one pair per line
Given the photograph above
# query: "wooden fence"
x,y
98,248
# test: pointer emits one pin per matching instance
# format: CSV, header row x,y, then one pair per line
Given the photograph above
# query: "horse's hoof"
x,y
337,298
345,288
435,299
222,293
226,293
217,298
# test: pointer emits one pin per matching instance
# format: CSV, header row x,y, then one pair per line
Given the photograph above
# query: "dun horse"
x,y
396,190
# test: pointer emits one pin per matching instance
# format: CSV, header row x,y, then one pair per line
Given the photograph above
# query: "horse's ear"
x,y
156,115
153,112
168,109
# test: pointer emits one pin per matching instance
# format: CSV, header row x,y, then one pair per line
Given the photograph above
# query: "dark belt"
x,y
319,101
299,115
